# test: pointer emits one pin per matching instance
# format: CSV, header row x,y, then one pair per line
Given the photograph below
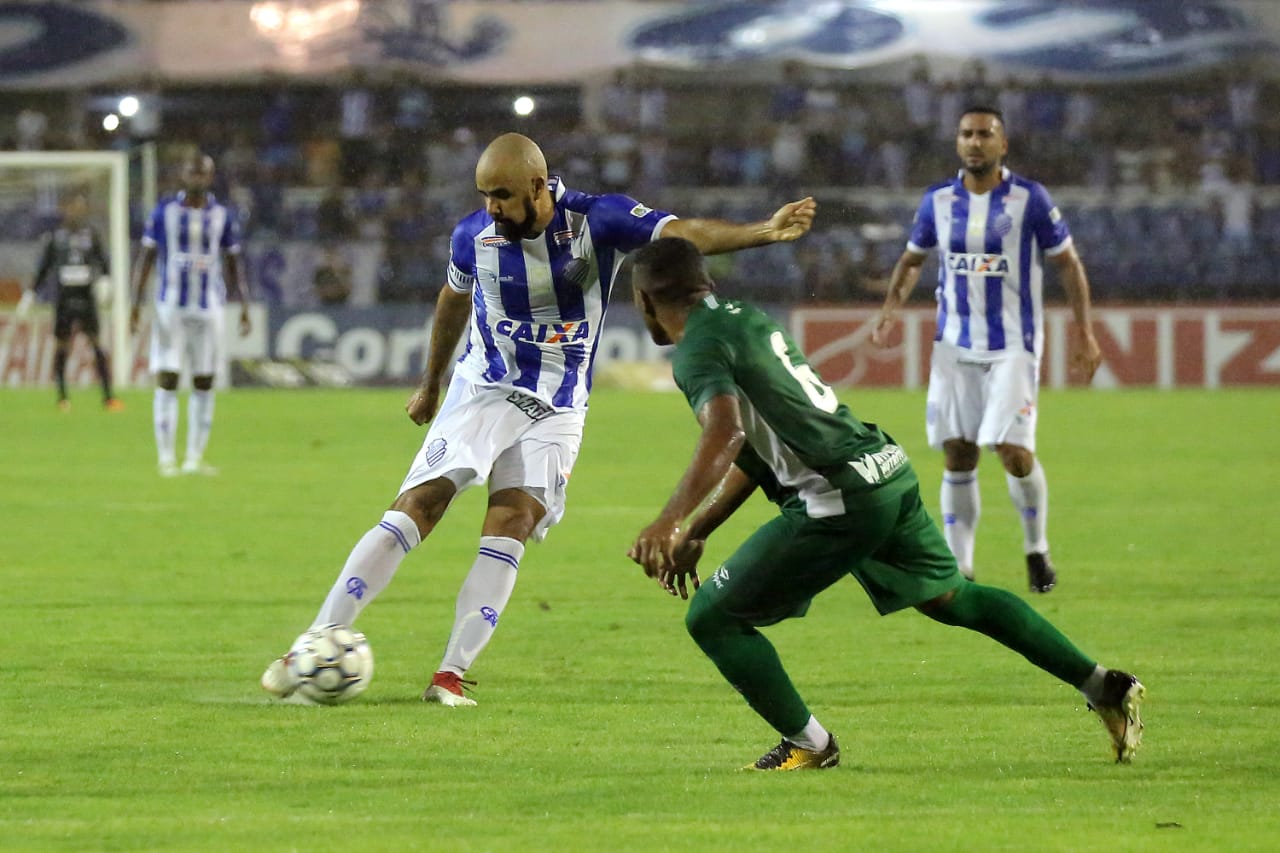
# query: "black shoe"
x,y
1122,694
788,756
1040,573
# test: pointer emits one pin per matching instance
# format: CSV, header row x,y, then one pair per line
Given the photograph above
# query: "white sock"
x,y
1092,687
480,601
369,568
164,413
1030,496
199,423
812,737
961,508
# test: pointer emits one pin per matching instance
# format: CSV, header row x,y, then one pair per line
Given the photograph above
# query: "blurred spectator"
x,y
332,219
355,126
332,278
787,100
30,128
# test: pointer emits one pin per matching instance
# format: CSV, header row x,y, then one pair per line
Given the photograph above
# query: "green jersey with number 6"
x,y
802,442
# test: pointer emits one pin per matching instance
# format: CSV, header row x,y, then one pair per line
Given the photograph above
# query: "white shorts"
x,y
504,436
983,402
194,336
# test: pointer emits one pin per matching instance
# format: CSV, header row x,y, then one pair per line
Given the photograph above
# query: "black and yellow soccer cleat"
x,y
1122,694
788,756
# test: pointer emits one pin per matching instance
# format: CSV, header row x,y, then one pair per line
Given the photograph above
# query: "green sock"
x,y
749,662
1010,621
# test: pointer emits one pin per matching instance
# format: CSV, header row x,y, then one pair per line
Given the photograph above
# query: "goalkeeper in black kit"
x,y
73,256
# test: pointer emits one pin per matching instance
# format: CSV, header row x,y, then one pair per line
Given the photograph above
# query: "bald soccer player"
x,y
532,272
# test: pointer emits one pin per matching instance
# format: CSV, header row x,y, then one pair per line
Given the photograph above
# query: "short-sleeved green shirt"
x,y
802,442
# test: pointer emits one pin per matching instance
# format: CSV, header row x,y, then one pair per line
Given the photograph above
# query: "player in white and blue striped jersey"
x,y
197,243
990,228
532,273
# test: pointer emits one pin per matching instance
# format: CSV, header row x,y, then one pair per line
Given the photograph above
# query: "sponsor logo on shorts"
x,y
879,466
356,587
489,615
436,450
720,577
533,408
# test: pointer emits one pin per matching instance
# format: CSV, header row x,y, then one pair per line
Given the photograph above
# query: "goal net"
x,y
34,187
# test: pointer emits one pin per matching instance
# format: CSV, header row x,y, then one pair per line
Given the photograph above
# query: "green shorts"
x,y
885,539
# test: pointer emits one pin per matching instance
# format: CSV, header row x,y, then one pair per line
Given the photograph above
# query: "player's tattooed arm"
x,y
453,309
714,236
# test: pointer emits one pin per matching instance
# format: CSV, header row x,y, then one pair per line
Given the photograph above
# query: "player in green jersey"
x,y
850,504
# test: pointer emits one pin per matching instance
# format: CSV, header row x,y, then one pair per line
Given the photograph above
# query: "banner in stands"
x,y
386,344
58,43
1162,347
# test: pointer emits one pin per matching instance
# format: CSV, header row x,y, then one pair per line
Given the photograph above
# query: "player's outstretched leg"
x,y
1012,622
369,568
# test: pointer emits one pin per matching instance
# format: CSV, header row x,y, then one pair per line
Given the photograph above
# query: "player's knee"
x,y
707,623
426,503
202,383
1018,461
960,455
513,513
168,381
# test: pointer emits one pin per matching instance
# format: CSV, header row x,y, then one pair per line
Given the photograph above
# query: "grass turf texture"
x,y
142,611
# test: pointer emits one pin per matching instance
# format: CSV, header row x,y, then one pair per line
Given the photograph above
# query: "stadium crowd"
x,y
1173,190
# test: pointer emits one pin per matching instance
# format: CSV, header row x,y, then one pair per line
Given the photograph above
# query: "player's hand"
x,y
135,317
422,404
684,568
24,304
1086,355
655,546
885,321
246,323
793,220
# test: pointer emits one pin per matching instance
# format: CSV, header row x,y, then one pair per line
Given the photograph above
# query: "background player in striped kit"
x,y
197,241
532,272
990,228
73,253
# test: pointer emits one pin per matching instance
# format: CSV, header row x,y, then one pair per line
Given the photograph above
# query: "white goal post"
x,y
115,164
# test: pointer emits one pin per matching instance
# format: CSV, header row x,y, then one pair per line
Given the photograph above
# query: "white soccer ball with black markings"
x,y
331,664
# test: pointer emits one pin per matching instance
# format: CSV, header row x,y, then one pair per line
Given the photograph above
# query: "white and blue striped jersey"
x,y
537,311
990,276
189,242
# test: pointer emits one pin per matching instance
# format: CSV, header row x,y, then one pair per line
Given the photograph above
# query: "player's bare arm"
x,y
453,309
231,272
732,492
714,236
142,272
722,437
906,272
1086,355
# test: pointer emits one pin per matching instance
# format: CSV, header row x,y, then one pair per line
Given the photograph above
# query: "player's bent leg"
x,y
512,516
747,660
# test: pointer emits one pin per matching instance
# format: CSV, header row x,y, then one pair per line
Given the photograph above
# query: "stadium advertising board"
x,y
386,344
64,43
1204,347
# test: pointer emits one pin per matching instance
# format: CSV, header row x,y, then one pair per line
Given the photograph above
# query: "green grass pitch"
x,y
141,612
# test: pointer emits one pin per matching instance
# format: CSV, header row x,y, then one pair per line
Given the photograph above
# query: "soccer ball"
x,y
331,664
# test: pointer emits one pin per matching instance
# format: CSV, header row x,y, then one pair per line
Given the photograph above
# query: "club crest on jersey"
x,y
1003,224
544,333
977,263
